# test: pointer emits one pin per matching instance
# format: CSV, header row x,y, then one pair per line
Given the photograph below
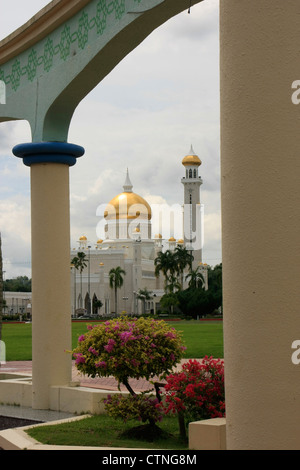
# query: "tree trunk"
x,y
116,301
130,390
181,423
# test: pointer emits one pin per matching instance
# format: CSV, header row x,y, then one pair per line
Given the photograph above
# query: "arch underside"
x,y
49,100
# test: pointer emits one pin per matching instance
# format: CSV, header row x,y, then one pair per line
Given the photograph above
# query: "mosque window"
x,y
195,174
191,173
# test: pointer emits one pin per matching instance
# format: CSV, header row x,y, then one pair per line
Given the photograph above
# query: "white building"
x,y
17,303
128,243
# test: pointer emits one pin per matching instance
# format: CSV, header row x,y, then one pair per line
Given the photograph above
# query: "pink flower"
x,y
101,364
110,345
126,336
81,338
93,351
80,359
169,334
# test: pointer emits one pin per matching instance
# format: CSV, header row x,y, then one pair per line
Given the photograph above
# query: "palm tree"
x,y
172,284
165,262
80,262
196,278
115,282
183,259
143,295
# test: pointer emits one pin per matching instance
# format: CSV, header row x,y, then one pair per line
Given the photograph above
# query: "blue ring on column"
x,y
48,152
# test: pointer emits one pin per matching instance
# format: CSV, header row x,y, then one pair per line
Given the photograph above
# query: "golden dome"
x,y
99,241
82,238
191,159
172,239
128,206
180,240
158,236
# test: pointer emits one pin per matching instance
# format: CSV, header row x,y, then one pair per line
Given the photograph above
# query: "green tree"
x,y
18,284
115,282
172,264
169,301
183,259
97,304
215,284
80,262
165,263
143,338
143,295
196,278
172,284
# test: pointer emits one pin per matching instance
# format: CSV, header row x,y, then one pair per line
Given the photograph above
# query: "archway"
x,y
260,125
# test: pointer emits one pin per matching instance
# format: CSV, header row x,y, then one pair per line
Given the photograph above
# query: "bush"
x,y
129,347
134,407
197,391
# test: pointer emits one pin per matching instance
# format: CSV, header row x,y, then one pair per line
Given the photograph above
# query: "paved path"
x,y
103,383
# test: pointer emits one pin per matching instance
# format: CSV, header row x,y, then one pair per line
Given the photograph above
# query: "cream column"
x,y
260,163
50,230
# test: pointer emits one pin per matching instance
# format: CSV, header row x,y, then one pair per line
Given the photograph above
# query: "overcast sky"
x,y
161,99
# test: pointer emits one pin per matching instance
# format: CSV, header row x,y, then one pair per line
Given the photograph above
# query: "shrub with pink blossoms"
x,y
142,407
129,348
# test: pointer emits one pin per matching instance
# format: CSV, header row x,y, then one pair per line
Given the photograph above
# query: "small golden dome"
x,y
136,229
99,241
82,238
172,239
158,236
191,159
101,264
180,240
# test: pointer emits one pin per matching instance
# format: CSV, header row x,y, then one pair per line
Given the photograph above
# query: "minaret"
x,y
192,220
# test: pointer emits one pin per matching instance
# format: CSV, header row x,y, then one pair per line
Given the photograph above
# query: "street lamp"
x,y
73,267
3,281
89,280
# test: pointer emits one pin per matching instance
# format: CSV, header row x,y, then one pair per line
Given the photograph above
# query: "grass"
x,y
200,338
104,431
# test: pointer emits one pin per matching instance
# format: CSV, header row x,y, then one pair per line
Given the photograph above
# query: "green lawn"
x,y
104,431
200,338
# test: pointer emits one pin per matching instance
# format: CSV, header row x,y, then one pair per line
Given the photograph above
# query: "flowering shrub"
x,y
198,390
138,407
127,348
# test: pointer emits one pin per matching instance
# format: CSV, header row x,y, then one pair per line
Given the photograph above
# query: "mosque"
x,y
128,243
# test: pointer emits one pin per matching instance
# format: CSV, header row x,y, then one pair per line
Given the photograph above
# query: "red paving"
x,y
103,383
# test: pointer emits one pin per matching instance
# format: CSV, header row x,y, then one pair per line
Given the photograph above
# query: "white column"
x,y
51,303
51,282
260,159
